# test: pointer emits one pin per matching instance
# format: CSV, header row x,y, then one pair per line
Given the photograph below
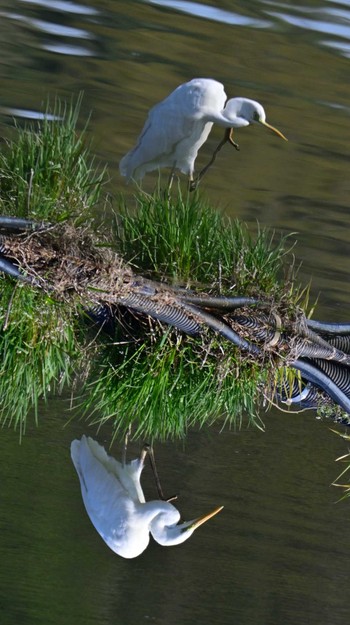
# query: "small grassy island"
x,y
137,313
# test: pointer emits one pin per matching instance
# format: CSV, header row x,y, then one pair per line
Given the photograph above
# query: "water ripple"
x,y
52,28
63,5
322,26
53,36
209,12
67,49
333,21
28,114
342,47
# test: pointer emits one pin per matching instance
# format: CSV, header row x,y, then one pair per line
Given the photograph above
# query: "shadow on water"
x,y
279,552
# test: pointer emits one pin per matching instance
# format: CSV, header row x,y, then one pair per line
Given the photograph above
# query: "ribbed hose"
x,y
171,315
223,329
17,223
312,350
328,328
308,397
341,342
263,326
11,270
311,373
336,372
220,303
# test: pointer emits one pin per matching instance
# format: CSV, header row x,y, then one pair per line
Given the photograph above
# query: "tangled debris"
x,y
73,265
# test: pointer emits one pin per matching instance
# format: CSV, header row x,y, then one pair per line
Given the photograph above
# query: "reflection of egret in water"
x,y
179,125
116,505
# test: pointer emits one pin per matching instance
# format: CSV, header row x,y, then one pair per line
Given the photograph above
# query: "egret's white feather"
x,y
178,126
115,502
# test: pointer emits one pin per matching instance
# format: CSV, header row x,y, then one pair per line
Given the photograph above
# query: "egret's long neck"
x,y
151,510
229,119
165,529
162,518
220,119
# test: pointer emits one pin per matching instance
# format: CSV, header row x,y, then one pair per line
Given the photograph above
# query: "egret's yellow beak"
x,y
202,519
277,132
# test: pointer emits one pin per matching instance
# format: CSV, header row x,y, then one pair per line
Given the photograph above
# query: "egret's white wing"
x,y
170,122
110,508
129,476
164,129
100,487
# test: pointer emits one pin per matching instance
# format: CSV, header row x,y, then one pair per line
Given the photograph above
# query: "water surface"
x,y
279,552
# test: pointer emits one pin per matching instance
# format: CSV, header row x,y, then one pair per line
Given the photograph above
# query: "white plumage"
x,y
179,125
114,500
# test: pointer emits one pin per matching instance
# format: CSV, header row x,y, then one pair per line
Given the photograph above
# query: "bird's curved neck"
x,y
162,518
228,119
234,115
219,118
153,509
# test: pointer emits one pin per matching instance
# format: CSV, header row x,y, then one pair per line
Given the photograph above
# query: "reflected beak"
x,y
277,132
202,519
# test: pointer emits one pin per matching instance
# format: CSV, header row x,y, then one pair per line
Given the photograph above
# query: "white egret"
x,y
179,125
116,505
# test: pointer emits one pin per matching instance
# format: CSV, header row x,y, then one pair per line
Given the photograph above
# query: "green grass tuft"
x,y
40,351
47,172
186,241
165,388
163,383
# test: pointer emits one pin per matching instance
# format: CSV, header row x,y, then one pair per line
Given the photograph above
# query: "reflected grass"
x,y
40,351
163,387
344,475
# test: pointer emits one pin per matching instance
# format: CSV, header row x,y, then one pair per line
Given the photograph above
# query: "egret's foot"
x,y
173,498
228,138
148,449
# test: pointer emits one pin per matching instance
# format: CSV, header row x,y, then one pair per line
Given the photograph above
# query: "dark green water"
x,y
279,553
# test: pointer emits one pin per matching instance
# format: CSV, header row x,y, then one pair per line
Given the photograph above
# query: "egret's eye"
x,y
256,117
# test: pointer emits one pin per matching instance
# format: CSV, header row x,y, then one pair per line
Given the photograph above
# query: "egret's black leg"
x,y
227,139
149,449
192,184
230,140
